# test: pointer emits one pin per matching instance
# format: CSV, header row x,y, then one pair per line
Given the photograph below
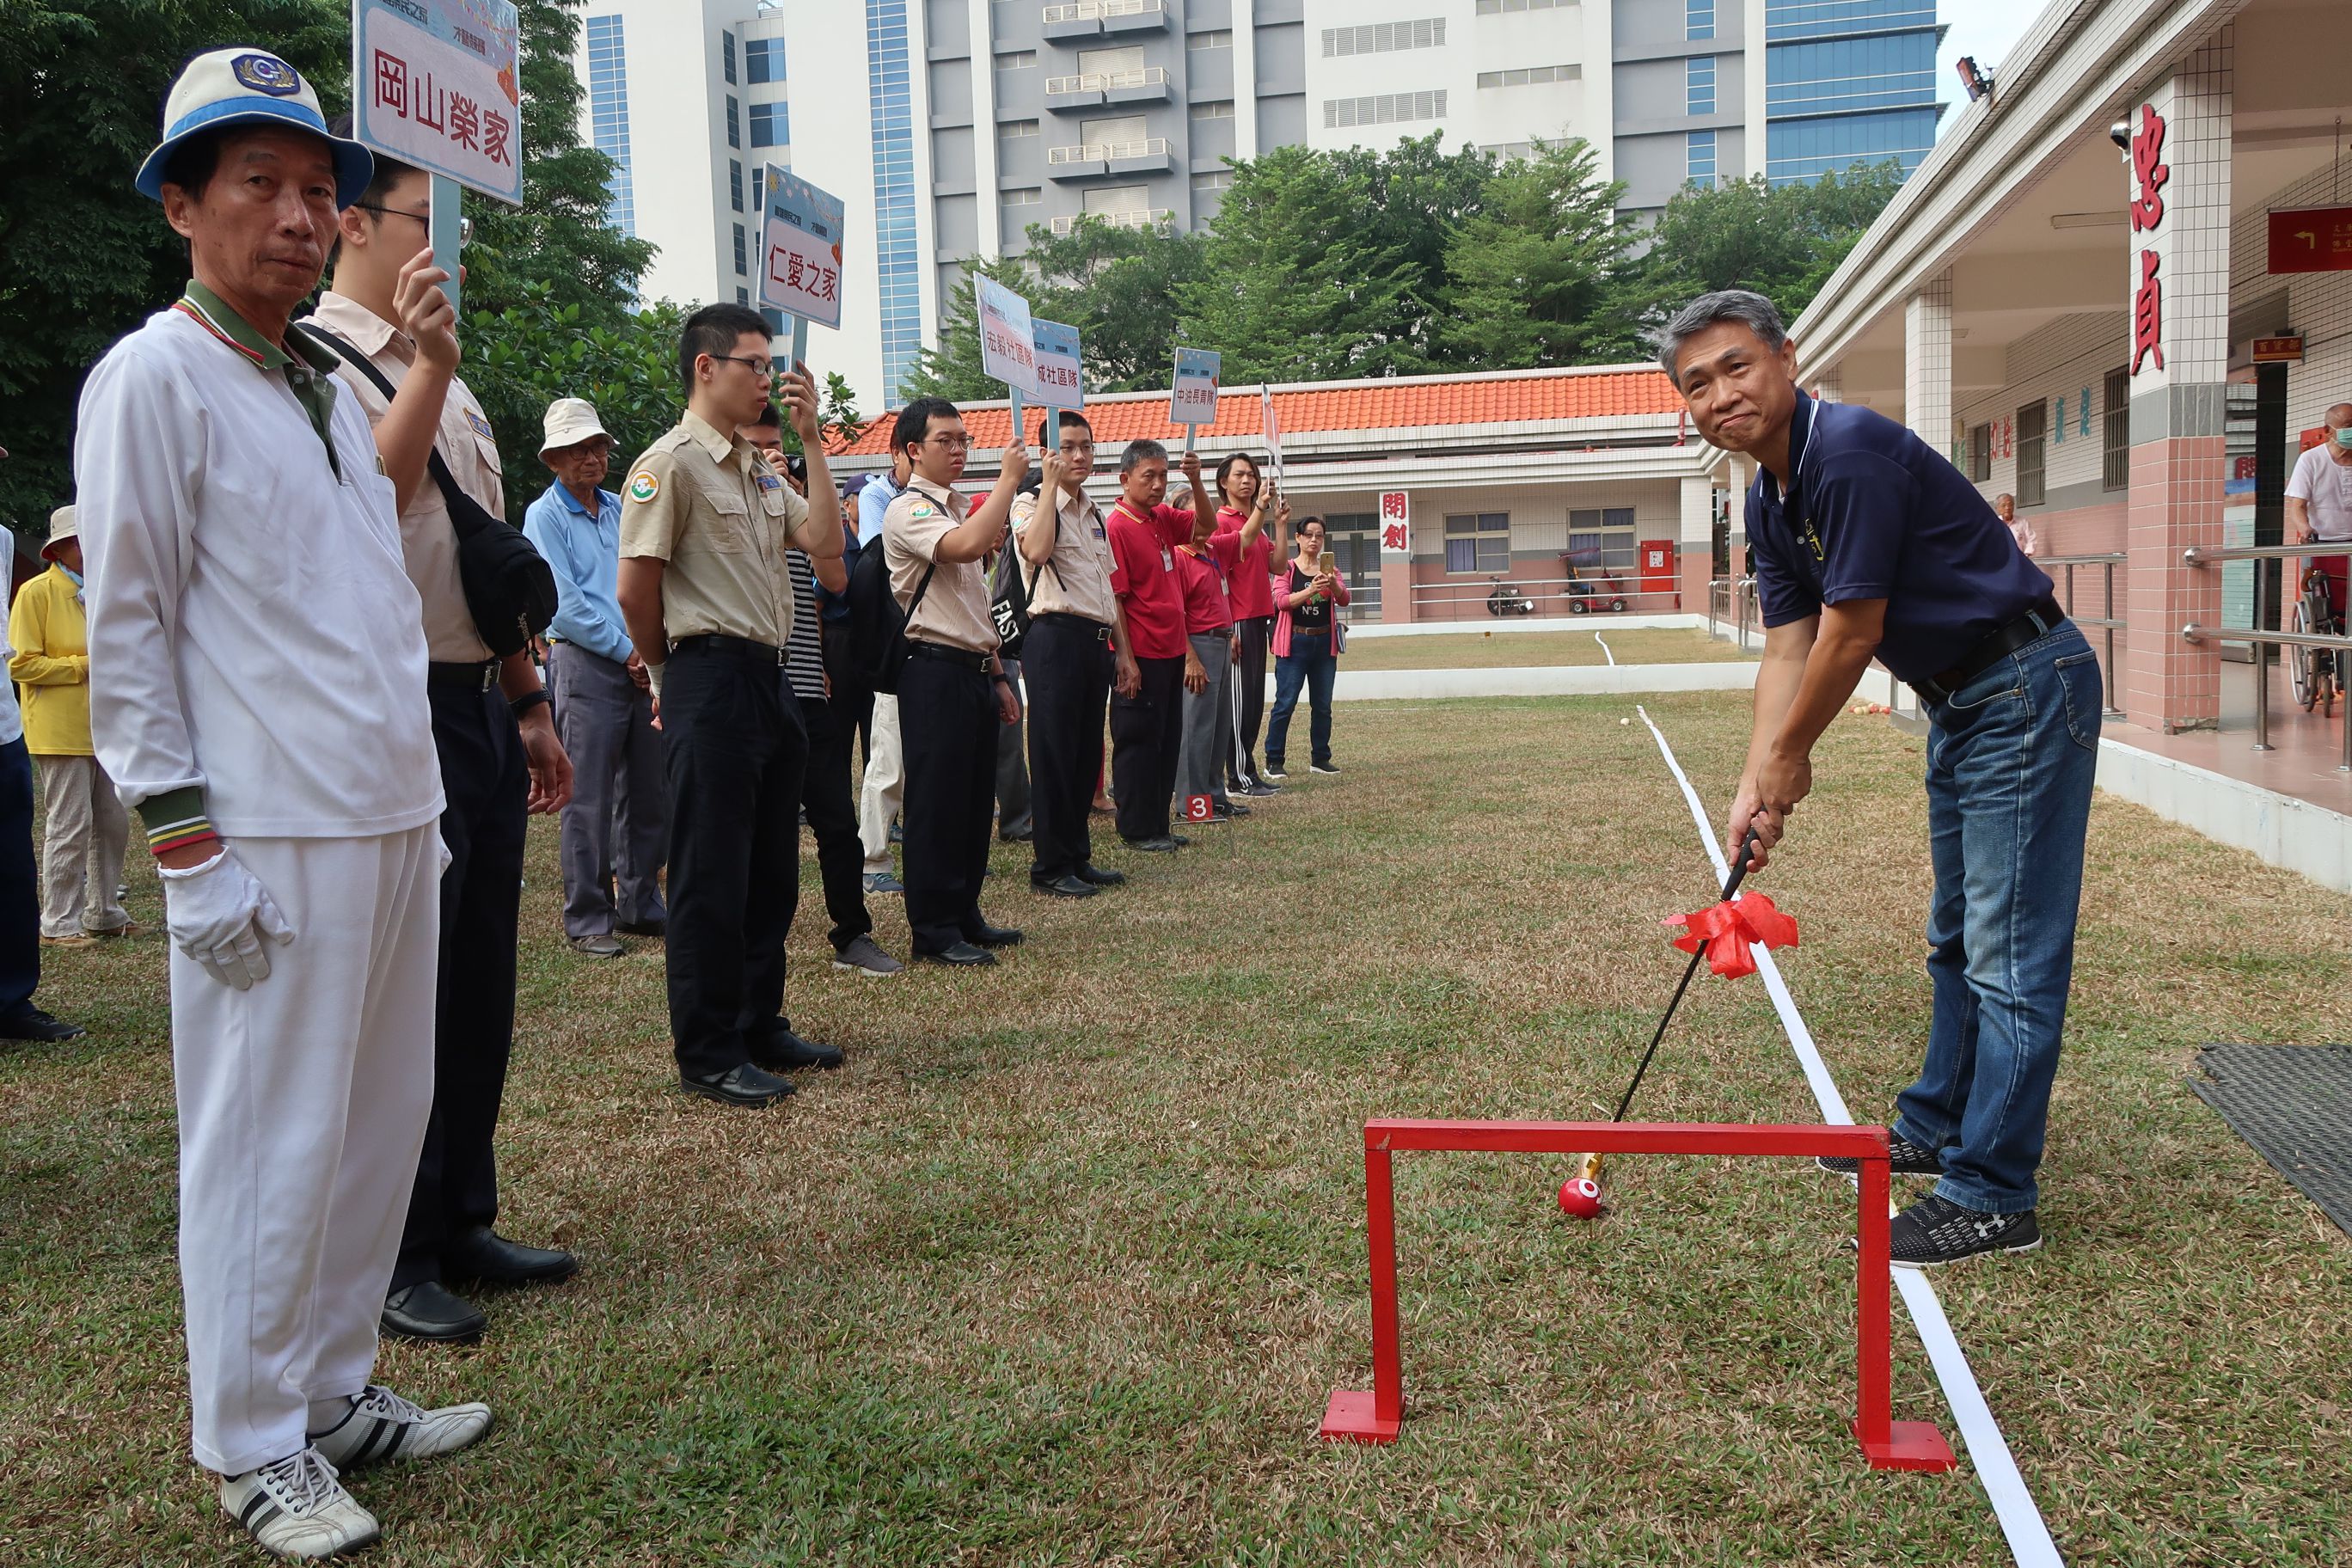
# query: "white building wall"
x,y
2318,304
2068,358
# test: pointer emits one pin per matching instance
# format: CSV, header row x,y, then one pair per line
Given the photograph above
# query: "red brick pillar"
x,y
2177,169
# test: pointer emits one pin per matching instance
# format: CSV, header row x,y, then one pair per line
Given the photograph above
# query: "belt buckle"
x,y
489,675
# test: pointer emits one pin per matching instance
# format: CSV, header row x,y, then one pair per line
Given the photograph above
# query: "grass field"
x,y
1494,650
1062,1267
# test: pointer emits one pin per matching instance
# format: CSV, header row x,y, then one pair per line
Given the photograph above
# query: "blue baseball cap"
x,y
239,86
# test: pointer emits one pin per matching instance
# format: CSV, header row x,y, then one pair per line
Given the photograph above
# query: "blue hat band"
x,y
275,108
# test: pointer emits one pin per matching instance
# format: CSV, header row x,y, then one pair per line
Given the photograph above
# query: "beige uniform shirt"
x,y
428,540
706,503
954,610
1080,581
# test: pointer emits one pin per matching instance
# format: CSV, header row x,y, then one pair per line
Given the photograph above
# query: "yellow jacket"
x,y
51,637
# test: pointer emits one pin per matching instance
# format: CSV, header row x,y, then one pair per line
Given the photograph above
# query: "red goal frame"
x,y
1376,1416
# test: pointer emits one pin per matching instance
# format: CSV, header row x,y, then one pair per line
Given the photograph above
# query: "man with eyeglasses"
x,y
704,585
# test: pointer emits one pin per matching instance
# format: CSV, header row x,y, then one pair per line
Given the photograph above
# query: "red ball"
x,y
1580,1197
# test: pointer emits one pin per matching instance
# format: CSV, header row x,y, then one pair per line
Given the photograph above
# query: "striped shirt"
x,y
804,649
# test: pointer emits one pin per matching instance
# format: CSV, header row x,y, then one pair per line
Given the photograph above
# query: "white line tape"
x,y
2005,1489
1604,648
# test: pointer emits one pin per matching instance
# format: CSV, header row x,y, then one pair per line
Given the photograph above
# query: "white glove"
x,y
217,915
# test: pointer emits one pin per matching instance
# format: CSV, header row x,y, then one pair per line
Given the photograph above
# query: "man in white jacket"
x,y
264,709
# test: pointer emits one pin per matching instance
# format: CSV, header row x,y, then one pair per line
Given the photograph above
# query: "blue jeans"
x,y
2011,758
1308,663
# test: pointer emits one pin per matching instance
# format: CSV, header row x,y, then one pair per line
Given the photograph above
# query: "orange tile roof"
x,y
1361,406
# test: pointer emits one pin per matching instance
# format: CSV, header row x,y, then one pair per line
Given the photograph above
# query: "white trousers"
x,y
886,783
302,1107
84,832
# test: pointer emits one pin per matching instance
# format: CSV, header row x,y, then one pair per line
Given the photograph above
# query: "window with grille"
x,y
1384,108
735,183
1479,541
1980,452
2114,432
1698,19
1698,84
2032,449
1530,74
1384,37
1505,7
1698,158
727,56
734,122
742,252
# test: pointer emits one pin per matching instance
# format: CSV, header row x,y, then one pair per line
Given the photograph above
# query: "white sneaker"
x,y
296,1508
383,1425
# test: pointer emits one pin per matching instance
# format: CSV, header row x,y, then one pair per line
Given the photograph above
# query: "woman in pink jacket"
x,y
1308,594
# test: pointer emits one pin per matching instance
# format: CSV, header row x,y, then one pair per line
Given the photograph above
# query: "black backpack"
x,y
510,588
877,626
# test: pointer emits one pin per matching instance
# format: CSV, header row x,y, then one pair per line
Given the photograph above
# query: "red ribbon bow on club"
x,y
1729,927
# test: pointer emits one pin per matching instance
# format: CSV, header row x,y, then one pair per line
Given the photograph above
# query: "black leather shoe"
x,y
1070,887
1234,808
1090,872
643,928
483,1253
994,936
784,1051
1163,844
961,955
32,1024
745,1085
1179,840
427,1310
1017,836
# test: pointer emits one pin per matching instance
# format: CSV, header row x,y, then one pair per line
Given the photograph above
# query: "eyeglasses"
x,y
465,224
759,367
951,443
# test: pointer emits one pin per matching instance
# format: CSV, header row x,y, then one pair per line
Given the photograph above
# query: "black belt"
x,y
958,656
472,677
740,647
1086,624
2040,619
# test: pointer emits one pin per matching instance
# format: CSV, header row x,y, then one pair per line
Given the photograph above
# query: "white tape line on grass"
x,y
1611,657
2013,1504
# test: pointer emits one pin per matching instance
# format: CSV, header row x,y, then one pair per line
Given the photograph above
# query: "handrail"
x,y
1101,81
1147,218
2195,632
2200,555
1095,10
1104,152
2109,622
2116,556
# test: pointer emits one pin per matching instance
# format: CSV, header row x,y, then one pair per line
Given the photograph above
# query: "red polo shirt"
x,y
1207,587
1144,578
1254,570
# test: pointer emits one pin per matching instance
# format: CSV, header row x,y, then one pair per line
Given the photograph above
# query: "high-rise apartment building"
x,y
950,127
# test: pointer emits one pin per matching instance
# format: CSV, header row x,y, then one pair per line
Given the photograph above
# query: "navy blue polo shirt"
x,y
1877,513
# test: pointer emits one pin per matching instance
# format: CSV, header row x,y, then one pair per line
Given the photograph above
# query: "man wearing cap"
x,y
499,760
262,704
705,522
615,829
84,829
1868,543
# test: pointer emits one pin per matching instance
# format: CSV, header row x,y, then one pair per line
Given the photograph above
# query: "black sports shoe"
x,y
1936,1231
1910,1160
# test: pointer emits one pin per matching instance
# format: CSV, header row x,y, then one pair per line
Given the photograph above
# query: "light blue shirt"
x,y
584,552
872,503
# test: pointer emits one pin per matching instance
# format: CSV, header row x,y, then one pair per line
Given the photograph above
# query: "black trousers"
x,y
737,754
486,783
20,888
1147,743
1248,683
1067,669
833,818
946,725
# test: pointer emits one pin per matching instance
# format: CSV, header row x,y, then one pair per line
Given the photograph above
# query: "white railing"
x,y
1095,10
1148,217
1101,151
1105,81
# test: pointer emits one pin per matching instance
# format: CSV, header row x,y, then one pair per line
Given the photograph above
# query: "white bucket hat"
x,y
242,86
61,528
570,421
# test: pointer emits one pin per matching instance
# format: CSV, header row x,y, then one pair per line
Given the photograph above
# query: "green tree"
x,y
1783,242
1417,196
950,368
1119,288
1535,274
1295,284
521,359
83,256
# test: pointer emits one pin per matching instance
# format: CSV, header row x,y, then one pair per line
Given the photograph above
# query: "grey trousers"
x,y
1013,763
616,829
1208,722
84,833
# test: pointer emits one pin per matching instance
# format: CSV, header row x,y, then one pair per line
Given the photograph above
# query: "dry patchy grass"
x,y
1060,1269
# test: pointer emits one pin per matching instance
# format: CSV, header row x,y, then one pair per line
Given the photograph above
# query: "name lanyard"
x,y
1805,524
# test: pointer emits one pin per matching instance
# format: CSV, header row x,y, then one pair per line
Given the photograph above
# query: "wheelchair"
x,y
2314,674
